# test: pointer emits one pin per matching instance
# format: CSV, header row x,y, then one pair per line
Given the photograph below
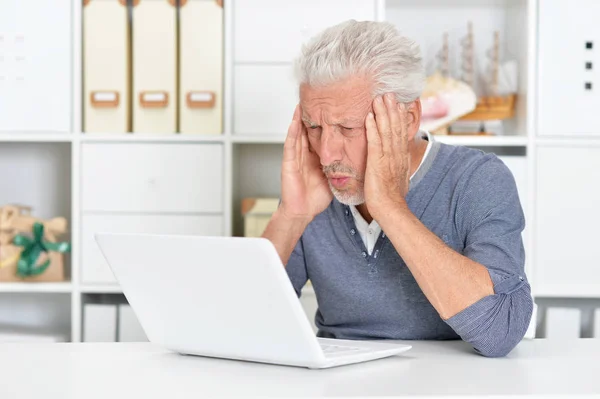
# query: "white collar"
x,y
429,144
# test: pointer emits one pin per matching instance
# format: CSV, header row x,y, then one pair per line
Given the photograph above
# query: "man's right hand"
x,y
304,188
304,191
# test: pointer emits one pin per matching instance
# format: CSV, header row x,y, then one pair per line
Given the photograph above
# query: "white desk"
x,y
433,369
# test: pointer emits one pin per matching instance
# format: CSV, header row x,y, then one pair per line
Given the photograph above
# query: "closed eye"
x,y
350,131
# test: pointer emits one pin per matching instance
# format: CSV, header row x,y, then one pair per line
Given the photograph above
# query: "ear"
x,y
413,117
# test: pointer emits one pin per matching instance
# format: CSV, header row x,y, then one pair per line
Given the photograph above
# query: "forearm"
x,y
452,282
284,232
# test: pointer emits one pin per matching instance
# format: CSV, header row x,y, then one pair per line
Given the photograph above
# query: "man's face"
x,y
334,117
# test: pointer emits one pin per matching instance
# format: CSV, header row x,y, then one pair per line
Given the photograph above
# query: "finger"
x,y
397,125
383,124
311,160
291,141
403,136
299,143
373,138
303,148
305,142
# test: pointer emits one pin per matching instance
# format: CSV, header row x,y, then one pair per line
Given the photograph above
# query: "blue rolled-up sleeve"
x,y
490,218
497,323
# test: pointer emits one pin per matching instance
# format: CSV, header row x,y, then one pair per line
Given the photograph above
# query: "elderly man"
x,y
402,237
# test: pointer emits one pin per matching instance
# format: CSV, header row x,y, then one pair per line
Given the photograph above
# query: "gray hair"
x,y
375,49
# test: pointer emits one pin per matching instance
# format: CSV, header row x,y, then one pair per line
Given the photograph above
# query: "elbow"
x,y
496,324
509,328
499,351
492,354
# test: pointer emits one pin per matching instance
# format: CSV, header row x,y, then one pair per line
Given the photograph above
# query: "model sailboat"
x,y
500,88
446,100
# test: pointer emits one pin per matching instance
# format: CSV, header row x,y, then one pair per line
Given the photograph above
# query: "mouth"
x,y
339,181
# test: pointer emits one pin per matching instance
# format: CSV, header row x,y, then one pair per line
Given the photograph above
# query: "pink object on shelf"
x,y
434,107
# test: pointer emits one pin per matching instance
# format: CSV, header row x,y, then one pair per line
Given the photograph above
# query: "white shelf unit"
x,y
36,137
466,140
116,289
62,287
564,156
148,137
254,122
100,289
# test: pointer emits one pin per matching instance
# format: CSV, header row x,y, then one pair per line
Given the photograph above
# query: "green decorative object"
x,y
33,248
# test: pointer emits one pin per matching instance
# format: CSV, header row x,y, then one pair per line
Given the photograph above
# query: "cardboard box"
x,y
16,222
257,213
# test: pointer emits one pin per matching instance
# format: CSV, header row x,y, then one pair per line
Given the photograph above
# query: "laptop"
x,y
224,297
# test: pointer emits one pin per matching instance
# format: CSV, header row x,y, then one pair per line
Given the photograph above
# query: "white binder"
x,y
130,329
36,66
563,323
154,66
99,322
201,67
106,66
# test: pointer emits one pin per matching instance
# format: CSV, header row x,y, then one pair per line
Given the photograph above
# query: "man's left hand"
x,y
388,159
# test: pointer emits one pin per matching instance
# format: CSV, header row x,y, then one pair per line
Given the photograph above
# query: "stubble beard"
x,y
346,197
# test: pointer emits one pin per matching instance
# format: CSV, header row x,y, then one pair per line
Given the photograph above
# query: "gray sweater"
x,y
467,198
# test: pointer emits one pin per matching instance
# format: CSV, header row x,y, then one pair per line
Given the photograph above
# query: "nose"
x,y
332,146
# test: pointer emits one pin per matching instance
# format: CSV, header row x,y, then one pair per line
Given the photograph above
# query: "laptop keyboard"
x,y
338,349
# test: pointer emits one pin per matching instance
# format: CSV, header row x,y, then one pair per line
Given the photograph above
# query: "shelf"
x,y
65,287
115,289
101,289
472,140
150,137
36,137
451,4
579,291
575,141
258,139
484,141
